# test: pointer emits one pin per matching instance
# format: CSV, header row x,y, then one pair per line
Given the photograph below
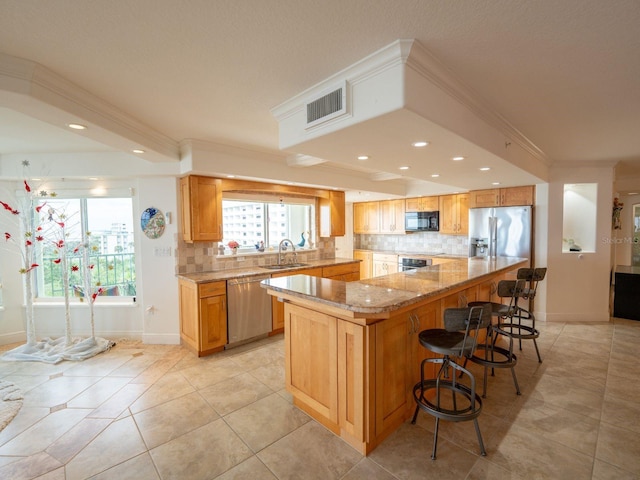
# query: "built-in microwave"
x,y
421,221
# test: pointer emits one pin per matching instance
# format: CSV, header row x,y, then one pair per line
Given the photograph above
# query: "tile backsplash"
x,y
203,256
419,242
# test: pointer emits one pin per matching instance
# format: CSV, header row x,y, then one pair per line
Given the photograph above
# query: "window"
x,y
111,240
292,218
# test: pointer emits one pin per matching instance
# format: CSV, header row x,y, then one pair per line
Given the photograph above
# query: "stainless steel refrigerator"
x,y
500,231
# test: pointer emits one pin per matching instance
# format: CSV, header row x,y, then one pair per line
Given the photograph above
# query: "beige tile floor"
x,y
159,412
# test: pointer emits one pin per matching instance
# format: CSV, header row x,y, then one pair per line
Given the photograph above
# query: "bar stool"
x,y
494,355
444,397
522,325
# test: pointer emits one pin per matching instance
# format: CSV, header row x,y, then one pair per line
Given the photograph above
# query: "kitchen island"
x,y
352,353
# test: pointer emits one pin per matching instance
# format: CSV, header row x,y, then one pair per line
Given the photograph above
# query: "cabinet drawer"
x,y
335,270
212,289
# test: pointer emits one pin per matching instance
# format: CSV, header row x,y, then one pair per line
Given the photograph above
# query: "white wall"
x,y
156,282
577,284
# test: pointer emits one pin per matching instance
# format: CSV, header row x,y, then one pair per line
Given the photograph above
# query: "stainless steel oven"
x,y
408,263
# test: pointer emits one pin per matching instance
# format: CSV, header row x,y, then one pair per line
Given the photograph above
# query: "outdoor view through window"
x,y
251,222
111,246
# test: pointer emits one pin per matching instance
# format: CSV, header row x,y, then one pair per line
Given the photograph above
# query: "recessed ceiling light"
x,y
231,176
404,168
137,150
457,159
420,144
485,169
363,157
435,175
76,126
630,193
93,178
495,183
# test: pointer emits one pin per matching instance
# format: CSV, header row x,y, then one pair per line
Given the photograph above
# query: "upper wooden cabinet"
x,y
502,197
422,204
332,218
454,214
365,217
392,216
201,209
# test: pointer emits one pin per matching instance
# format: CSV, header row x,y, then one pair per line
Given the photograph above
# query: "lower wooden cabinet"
x,y
325,368
203,316
384,264
366,263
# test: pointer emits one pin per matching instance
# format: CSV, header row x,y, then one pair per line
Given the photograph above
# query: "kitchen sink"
x,y
284,266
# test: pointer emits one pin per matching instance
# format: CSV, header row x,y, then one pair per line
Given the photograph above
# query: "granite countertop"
x,y
628,269
212,276
391,292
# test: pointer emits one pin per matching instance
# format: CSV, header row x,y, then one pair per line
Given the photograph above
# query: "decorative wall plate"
x,y
152,222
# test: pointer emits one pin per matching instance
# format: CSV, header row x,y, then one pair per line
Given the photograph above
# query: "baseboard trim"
x,y
14,337
161,338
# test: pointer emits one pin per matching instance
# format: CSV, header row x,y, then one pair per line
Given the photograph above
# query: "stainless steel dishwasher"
x,y
248,309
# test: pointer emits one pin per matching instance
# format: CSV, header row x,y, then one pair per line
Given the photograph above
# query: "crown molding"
x,y
432,69
38,83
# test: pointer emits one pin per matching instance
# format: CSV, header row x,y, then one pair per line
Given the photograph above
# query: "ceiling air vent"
x,y
328,106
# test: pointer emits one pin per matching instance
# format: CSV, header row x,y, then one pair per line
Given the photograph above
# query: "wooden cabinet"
x,y
332,215
393,381
347,272
454,214
311,373
502,197
366,264
384,264
365,217
422,204
391,214
325,368
203,316
201,206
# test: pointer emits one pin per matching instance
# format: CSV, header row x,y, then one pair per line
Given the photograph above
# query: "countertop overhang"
x,y
381,295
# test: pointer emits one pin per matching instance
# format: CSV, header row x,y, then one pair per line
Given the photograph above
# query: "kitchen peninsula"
x,y
352,353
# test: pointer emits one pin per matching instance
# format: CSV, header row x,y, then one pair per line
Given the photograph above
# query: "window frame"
x,y
84,196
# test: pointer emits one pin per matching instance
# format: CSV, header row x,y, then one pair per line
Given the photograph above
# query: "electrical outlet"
x,y
162,251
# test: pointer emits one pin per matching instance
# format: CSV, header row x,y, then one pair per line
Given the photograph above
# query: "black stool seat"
x,y
521,325
444,397
488,354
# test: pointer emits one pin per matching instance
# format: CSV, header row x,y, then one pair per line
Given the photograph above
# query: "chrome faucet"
x,y
282,242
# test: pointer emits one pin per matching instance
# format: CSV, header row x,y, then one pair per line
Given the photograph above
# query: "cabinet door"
x,y
332,217
448,214
392,372
384,264
516,196
189,315
366,265
424,317
311,372
365,217
422,204
484,198
454,214
201,208
213,323
463,213
351,378
391,213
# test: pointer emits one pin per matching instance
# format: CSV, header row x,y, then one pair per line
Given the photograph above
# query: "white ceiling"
x,y
565,74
